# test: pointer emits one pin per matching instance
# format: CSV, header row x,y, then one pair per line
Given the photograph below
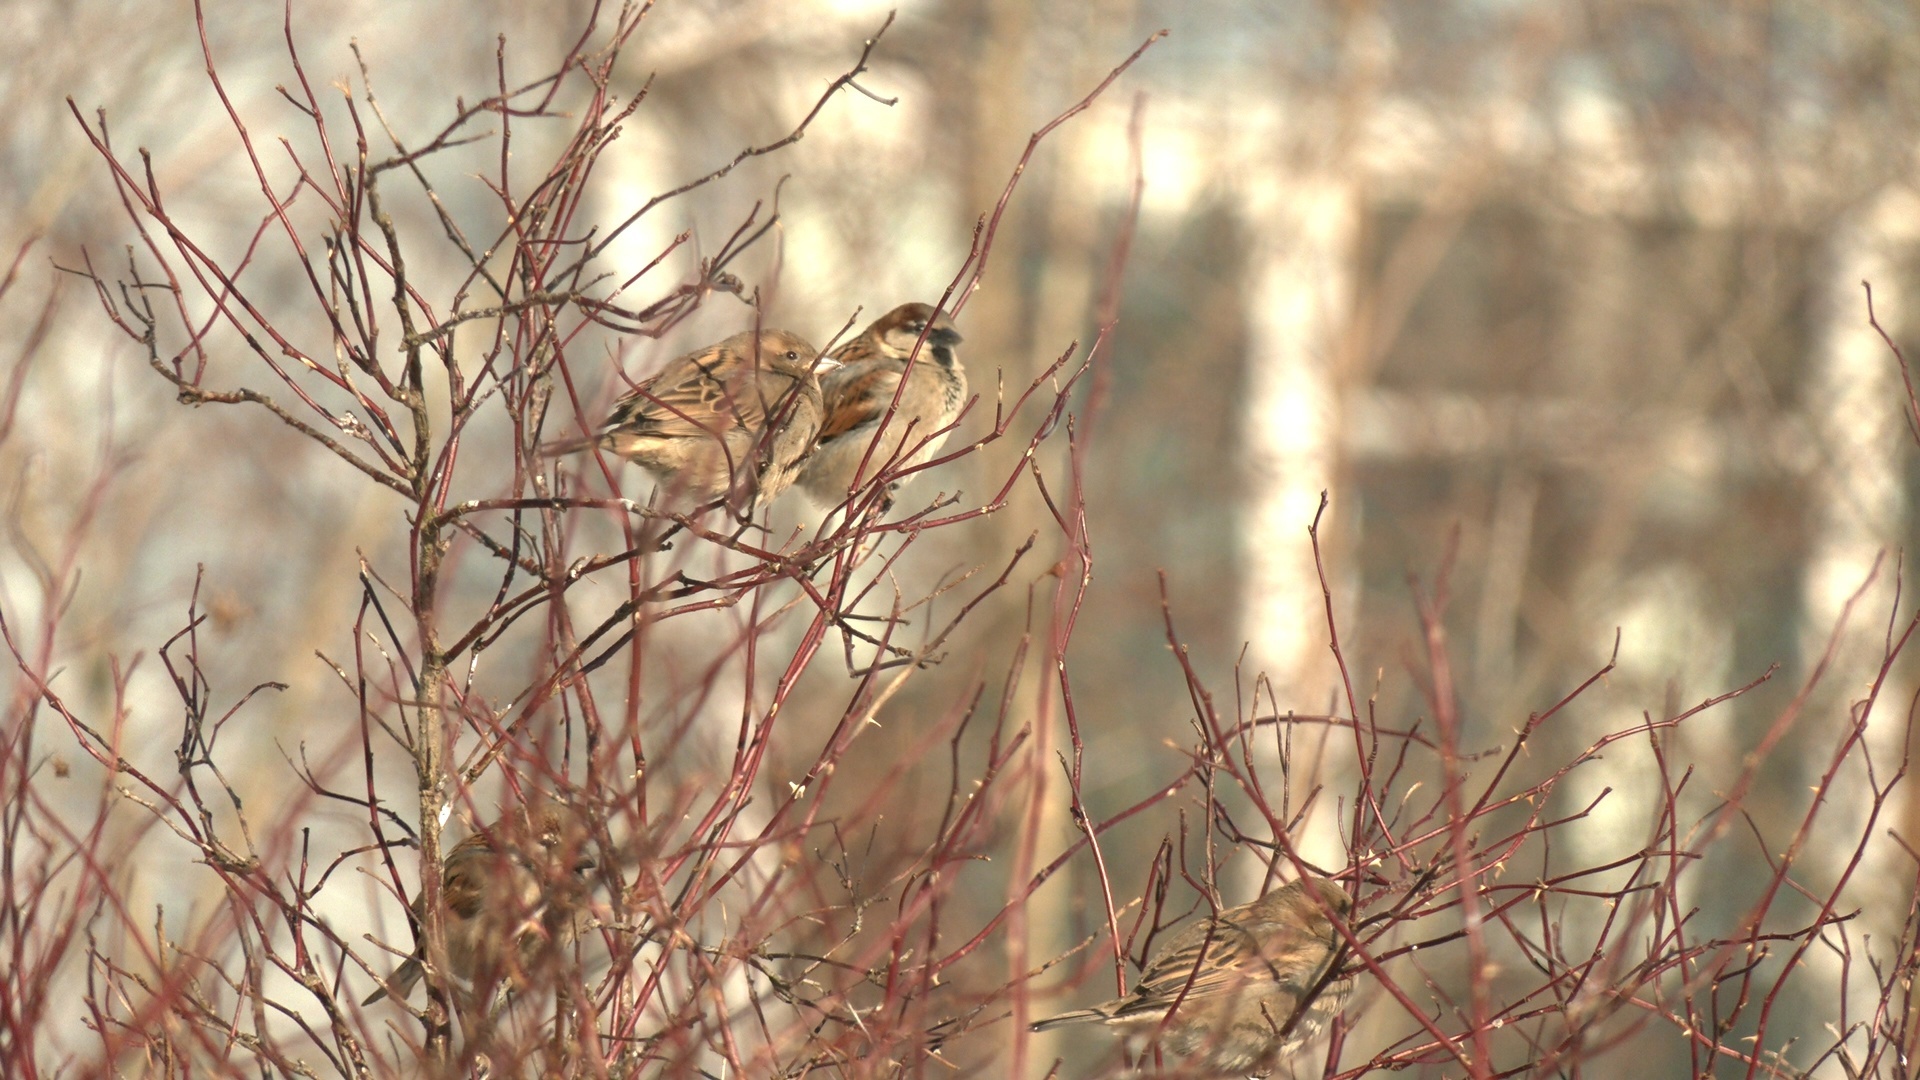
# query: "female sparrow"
x,y
1234,983
512,893
727,420
860,392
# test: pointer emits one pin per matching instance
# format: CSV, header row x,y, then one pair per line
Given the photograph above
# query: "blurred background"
x,y
1565,296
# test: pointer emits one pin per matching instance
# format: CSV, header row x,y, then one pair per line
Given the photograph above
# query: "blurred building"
x,y
1562,298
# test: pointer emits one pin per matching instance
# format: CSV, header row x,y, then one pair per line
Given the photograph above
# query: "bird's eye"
x,y
793,354
916,327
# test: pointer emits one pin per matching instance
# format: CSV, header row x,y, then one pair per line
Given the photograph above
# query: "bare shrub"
x,y
521,629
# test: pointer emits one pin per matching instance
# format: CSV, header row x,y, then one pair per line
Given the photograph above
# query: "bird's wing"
x,y
1213,957
702,396
465,887
687,399
857,396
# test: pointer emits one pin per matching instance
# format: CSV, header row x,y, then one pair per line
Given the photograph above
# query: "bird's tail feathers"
x,y
1075,1017
401,980
570,445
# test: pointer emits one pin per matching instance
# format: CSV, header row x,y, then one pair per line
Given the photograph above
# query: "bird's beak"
x,y
945,336
825,364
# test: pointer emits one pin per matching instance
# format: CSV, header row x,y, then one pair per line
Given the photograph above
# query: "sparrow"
x,y
861,390
512,893
734,418
1233,982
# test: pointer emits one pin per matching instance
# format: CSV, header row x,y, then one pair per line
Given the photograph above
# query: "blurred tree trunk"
x,y
1035,299
996,325
1303,214
1856,406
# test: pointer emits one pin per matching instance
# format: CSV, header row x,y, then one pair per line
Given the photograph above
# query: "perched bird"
x,y
1233,982
859,393
733,419
513,893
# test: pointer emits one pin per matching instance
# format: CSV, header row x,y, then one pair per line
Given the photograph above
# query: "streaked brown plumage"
x,y
702,423
1237,978
513,894
859,393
